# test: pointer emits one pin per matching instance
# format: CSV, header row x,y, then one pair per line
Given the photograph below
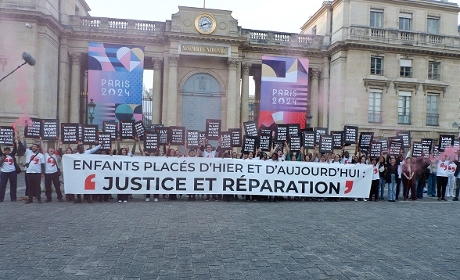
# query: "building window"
x,y
377,65
432,112
404,107
375,106
376,18
313,30
405,22
433,25
77,10
405,68
434,70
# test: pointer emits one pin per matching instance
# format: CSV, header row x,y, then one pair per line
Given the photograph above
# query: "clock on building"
x,y
205,23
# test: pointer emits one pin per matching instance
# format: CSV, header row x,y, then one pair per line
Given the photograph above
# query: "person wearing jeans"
x,y
392,170
432,168
382,180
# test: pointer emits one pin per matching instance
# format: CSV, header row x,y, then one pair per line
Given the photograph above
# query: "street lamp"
x,y
91,107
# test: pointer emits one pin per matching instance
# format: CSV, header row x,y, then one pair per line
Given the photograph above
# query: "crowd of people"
x,y
437,176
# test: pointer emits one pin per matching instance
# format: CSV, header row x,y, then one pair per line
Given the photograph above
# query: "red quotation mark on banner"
x,y
348,186
89,184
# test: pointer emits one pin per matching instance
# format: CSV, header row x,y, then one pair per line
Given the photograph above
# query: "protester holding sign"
x,y
81,150
382,176
34,173
52,173
442,176
124,152
8,172
392,174
375,180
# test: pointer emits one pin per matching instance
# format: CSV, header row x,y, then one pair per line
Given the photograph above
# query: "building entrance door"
x,y
201,99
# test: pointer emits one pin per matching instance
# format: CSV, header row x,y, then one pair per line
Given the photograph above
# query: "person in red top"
x,y
408,179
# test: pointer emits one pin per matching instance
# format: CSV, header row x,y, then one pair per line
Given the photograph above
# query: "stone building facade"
x,y
381,65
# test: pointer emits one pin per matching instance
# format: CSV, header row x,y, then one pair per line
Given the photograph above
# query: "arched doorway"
x,y
201,100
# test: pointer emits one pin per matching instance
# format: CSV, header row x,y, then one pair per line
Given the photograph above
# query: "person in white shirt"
x,y
451,179
375,180
35,164
8,172
442,177
81,150
52,173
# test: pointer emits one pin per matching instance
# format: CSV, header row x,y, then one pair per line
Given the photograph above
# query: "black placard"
x,y
163,135
319,131
90,134
226,140
112,128
33,129
250,128
308,141
417,149
445,141
295,143
405,135
105,140
6,135
201,137
338,139
126,129
293,130
265,131
80,132
350,134
140,129
456,143
153,127
151,142
281,132
365,140
69,133
375,150
427,142
325,143
177,135
236,137
249,143
213,129
265,142
50,129
193,138
395,146
384,142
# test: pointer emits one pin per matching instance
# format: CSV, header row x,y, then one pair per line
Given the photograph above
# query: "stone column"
x,y
245,67
232,110
257,81
314,98
325,93
171,114
156,100
64,83
74,107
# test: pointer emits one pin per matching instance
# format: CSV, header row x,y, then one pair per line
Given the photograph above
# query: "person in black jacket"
x,y
457,177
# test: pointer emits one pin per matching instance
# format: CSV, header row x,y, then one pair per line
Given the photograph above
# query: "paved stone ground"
x,y
236,240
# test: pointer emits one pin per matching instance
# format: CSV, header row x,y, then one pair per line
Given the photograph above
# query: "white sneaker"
x,y
364,199
125,201
147,199
155,199
356,199
120,201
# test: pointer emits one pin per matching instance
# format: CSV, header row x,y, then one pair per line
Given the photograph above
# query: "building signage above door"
x,y
204,50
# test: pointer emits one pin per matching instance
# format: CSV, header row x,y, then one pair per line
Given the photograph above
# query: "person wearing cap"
x,y
8,172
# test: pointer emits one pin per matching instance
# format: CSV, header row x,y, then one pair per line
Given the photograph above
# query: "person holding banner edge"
x,y
52,173
81,150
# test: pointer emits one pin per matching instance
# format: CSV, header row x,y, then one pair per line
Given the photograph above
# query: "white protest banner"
x,y
99,174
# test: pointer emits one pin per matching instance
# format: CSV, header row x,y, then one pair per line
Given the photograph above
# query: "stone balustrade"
x,y
110,24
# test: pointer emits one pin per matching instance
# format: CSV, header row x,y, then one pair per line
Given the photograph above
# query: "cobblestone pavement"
x,y
229,240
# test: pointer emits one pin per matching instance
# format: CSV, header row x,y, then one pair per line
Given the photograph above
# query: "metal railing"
x,y
434,76
374,117
404,119
432,119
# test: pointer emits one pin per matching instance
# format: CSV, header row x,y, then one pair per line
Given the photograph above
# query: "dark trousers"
x,y
409,185
33,181
374,189
420,185
4,178
398,187
86,197
441,184
154,196
122,197
54,179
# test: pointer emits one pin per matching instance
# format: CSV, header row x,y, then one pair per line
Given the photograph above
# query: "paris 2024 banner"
x,y
115,82
284,91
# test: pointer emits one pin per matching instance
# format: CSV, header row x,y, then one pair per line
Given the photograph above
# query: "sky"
x,y
285,16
